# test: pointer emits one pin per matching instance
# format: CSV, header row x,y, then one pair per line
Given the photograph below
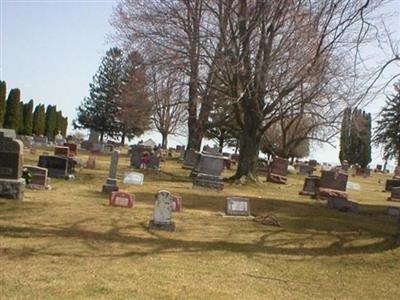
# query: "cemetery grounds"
x,y
68,243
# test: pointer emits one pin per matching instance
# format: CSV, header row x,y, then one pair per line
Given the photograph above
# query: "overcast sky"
x,y
50,49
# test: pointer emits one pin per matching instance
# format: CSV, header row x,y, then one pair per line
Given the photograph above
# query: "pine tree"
x,y
28,118
387,132
3,104
134,106
345,135
51,120
11,119
39,120
99,110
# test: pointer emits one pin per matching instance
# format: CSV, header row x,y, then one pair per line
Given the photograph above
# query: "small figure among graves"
x,y
12,184
162,212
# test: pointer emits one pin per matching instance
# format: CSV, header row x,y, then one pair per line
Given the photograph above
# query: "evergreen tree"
x,y
99,110
28,118
20,129
39,120
134,107
345,135
387,132
3,105
64,126
51,122
11,119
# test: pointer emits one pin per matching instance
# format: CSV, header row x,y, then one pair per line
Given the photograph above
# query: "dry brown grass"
x,y
68,243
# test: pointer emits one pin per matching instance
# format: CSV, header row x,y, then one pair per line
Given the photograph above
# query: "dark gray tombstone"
x,y
304,169
391,183
111,183
190,159
311,185
343,205
208,181
162,212
11,160
208,164
395,194
39,178
57,166
333,180
237,206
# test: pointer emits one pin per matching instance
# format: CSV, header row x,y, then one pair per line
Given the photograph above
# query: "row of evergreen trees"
x,y
14,114
355,137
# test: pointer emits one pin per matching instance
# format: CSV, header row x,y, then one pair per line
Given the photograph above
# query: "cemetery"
x,y
202,149
158,219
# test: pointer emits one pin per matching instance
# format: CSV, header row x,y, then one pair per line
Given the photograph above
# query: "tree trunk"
x,y
249,150
101,137
195,137
123,139
164,142
221,141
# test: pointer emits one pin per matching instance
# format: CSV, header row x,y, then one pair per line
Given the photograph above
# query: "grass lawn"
x,y
68,243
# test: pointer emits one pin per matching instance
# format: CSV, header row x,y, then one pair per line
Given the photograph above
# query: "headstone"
x,y
237,206
57,166
182,155
311,185
343,205
111,183
154,162
379,168
397,171
391,183
39,179
133,178
345,165
8,133
162,212
176,203
333,185
395,194
262,167
11,160
73,148
59,139
278,170
208,164
122,199
190,159
393,211
304,169
313,163
61,151
40,140
365,172
208,181
91,162
26,140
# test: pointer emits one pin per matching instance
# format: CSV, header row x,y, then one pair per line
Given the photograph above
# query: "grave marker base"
x,y
165,227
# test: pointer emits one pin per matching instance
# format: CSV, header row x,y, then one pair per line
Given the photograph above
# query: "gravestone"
x,y
73,148
393,211
91,162
57,166
122,199
391,183
11,160
333,185
342,205
395,194
61,151
311,185
364,172
262,167
208,181
59,139
182,155
208,164
345,165
278,170
379,168
162,212
111,183
8,133
304,169
40,140
39,179
133,178
154,162
190,159
176,203
397,171
237,206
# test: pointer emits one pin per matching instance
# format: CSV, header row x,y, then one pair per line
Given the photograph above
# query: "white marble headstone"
x,y
162,208
133,178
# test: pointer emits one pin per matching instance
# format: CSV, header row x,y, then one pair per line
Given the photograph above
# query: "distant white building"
x,y
150,143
